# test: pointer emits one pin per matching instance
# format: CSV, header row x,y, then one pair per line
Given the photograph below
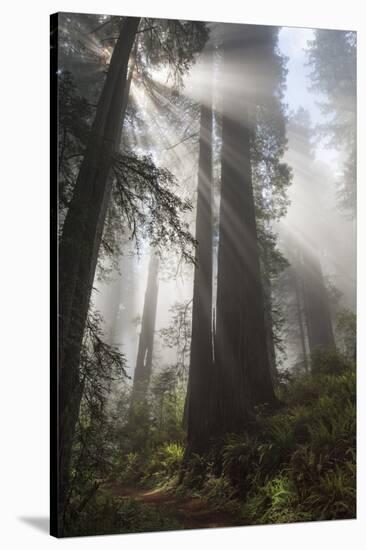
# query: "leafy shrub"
x,y
164,464
239,454
106,515
132,468
274,502
328,362
171,455
346,332
157,467
218,491
195,473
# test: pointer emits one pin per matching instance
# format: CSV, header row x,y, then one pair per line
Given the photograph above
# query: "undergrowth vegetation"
x,y
298,464
114,515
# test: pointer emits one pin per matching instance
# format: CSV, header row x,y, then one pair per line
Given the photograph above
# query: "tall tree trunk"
x,y
244,377
268,322
80,242
200,370
268,318
143,367
317,308
300,316
124,330
112,301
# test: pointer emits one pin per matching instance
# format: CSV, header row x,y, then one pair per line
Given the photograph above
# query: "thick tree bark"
x,y
199,413
317,308
143,367
244,377
80,242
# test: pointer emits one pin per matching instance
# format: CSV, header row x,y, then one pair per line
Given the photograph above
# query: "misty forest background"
x,y
207,280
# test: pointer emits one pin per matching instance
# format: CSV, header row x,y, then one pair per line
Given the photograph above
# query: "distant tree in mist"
x,y
332,57
317,306
143,368
311,306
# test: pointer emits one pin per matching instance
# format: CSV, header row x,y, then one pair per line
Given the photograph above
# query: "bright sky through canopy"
x,y
293,43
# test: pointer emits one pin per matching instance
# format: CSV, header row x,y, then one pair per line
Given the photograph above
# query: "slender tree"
x,y
300,315
143,367
268,319
310,224
317,310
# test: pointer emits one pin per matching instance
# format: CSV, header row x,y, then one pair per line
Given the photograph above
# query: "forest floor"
x,y
188,512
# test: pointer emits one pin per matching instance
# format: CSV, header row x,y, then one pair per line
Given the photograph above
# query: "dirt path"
x,y
190,512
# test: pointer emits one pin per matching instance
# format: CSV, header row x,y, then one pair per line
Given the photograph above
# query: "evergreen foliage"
x,y
332,57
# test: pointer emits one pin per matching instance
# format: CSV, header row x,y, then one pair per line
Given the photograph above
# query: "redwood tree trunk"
x,y
299,314
244,377
143,367
200,369
80,242
317,309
